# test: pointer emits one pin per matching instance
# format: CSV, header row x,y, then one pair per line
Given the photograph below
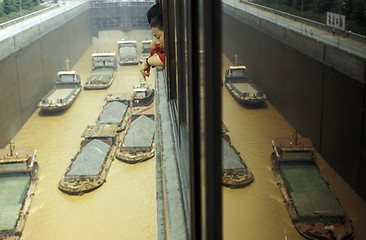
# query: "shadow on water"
x,y
45,113
262,105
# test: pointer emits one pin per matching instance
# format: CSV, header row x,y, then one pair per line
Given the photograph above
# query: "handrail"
x,y
28,16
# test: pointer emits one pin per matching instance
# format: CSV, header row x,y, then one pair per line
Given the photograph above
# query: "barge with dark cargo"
x,y
127,52
19,174
138,144
89,169
235,173
314,210
104,66
241,87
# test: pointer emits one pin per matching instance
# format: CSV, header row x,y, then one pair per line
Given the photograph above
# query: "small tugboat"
x,y
143,95
138,144
315,212
18,179
240,86
104,71
146,49
127,53
67,89
235,173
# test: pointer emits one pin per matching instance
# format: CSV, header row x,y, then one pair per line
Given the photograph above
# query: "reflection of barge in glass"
x,y
235,173
241,88
67,89
138,143
18,179
104,71
315,212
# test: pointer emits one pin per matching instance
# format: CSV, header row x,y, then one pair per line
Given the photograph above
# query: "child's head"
x,y
158,30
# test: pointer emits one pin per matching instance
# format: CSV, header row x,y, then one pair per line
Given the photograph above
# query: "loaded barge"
x,y
138,144
235,173
103,72
89,169
18,179
315,212
127,52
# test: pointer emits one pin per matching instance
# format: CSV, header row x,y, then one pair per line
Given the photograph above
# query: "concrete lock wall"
x,y
318,100
30,71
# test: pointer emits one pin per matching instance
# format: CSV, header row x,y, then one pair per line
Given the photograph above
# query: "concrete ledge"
x,y
170,205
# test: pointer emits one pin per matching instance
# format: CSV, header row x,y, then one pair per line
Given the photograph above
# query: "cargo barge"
x,y
315,212
138,144
235,173
89,169
241,88
145,50
19,174
104,67
127,52
64,94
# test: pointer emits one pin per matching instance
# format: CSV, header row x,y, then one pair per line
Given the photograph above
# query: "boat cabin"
x,y
123,43
293,149
106,133
16,160
68,77
100,60
236,72
146,47
140,92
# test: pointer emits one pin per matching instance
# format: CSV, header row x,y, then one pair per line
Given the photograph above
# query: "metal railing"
x,y
28,16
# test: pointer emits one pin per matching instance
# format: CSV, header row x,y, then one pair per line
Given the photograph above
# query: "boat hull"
x,y
242,98
97,86
24,211
234,174
84,184
60,106
146,101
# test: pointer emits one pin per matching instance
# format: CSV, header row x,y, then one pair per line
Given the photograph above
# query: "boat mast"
x,y
236,59
67,61
12,147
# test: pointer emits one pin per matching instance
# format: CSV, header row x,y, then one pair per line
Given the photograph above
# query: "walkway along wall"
x,y
28,73
319,100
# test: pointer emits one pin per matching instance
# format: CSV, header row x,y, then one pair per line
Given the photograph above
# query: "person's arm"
x,y
155,60
149,62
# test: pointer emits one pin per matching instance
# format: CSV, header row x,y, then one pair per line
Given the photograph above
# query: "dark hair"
x,y
158,22
153,12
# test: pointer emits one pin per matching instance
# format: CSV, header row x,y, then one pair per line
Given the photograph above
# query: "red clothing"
x,y
157,49
162,57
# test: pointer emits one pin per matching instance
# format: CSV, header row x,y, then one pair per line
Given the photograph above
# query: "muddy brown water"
x,y
124,207
257,211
